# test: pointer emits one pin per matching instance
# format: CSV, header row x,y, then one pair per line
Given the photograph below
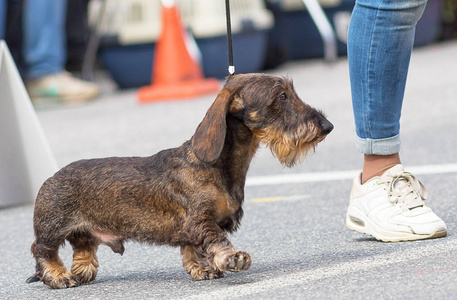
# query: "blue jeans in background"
x,y
380,40
44,37
44,40
2,18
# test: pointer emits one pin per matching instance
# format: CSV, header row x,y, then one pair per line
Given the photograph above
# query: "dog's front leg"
x,y
226,258
213,254
197,265
221,254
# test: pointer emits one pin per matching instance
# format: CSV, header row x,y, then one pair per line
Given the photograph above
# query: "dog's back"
x,y
106,193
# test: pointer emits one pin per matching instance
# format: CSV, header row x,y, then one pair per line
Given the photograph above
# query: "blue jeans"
x,y
44,36
380,40
2,18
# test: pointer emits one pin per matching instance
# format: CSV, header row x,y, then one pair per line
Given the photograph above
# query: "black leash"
x,y
231,67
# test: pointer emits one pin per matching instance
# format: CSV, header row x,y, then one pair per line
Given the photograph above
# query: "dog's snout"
x,y
326,126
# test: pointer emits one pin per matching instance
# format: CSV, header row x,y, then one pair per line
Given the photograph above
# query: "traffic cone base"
x,y
184,89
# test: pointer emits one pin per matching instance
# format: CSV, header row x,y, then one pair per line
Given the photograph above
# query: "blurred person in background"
x,y
386,201
44,53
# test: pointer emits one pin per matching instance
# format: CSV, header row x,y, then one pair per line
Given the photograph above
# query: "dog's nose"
x,y
326,126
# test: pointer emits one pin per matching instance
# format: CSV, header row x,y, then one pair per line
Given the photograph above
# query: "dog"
x,y
189,197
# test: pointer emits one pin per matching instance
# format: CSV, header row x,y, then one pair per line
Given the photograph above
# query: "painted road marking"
x,y
307,277
339,175
267,199
279,198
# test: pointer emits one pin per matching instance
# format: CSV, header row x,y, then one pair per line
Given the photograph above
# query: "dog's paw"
x,y
84,271
199,273
233,261
61,281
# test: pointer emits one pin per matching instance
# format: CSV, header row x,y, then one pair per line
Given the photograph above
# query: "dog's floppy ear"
x,y
208,140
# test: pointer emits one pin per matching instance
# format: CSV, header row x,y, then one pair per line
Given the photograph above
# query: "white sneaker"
x,y
391,208
61,87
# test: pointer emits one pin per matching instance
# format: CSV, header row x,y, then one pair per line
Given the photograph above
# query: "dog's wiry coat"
x,y
190,196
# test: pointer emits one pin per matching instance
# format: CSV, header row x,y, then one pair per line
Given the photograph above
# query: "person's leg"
x,y
380,40
45,55
376,165
44,37
386,201
2,18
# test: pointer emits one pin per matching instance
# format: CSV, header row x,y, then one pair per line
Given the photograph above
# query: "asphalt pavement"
x,y
293,225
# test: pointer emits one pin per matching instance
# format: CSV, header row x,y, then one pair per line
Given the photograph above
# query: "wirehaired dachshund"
x,y
189,197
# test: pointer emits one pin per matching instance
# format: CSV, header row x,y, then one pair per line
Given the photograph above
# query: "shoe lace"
x,y
405,188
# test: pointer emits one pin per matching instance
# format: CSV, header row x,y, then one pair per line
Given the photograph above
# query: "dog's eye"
x,y
283,97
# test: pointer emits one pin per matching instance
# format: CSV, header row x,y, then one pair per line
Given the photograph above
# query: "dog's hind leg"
x,y
85,262
49,267
197,265
50,220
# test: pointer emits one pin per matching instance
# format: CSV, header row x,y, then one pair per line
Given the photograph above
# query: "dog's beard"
x,y
290,154
290,148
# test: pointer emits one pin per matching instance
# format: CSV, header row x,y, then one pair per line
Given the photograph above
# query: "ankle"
x,y
376,165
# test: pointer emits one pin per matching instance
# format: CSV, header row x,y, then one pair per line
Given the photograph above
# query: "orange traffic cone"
x,y
175,73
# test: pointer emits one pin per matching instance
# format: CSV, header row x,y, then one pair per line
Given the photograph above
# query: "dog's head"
x,y
271,109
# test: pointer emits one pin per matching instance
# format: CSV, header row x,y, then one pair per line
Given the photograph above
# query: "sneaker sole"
x,y
357,221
